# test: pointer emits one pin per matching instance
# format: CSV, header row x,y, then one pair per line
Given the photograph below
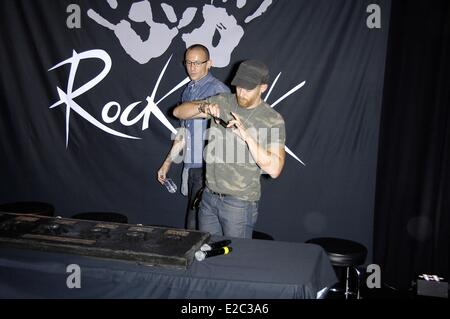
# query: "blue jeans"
x,y
226,215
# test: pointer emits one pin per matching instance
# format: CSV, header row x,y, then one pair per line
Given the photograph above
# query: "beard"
x,y
243,102
247,103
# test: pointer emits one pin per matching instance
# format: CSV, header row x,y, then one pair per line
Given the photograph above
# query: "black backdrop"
x,y
413,176
332,121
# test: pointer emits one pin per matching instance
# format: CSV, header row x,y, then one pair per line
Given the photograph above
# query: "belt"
x,y
218,194
227,195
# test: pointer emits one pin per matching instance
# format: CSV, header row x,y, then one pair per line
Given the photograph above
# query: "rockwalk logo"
x,y
220,31
67,98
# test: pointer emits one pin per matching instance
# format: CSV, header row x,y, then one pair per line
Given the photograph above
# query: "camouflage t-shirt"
x,y
230,167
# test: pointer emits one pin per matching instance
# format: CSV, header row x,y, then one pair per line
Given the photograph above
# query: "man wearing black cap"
x,y
246,139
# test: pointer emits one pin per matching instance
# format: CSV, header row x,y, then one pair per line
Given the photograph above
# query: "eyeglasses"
x,y
194,63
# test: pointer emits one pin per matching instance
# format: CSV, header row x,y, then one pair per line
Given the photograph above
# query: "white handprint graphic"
x,y
217,20
217,24
160,35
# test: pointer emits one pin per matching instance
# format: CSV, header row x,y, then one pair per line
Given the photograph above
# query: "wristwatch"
x,y
201,107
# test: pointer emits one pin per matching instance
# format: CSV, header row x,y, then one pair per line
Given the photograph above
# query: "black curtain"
x,y
412,206
57,155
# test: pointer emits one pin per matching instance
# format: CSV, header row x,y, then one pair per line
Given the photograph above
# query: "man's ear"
x,y
209,64
264,88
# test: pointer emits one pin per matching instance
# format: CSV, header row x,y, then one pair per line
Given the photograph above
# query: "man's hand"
x,y
162,172
237,127
209,109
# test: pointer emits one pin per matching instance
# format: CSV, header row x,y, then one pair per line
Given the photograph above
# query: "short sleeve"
x,y
277,133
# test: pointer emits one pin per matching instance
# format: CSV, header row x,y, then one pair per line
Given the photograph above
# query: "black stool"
x,y
36,208
343,253
102,217
261,235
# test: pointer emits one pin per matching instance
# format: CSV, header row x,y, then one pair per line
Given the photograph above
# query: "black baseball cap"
x,y
250,74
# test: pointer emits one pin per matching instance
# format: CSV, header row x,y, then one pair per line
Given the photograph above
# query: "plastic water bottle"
x,y
170,185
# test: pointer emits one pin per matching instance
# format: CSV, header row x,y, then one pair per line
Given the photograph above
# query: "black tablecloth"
x,y
255,269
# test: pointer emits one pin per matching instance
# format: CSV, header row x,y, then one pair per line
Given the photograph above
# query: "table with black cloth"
x,y
255,269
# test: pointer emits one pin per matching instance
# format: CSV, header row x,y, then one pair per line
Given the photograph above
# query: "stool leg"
x,y
347,283
358,274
